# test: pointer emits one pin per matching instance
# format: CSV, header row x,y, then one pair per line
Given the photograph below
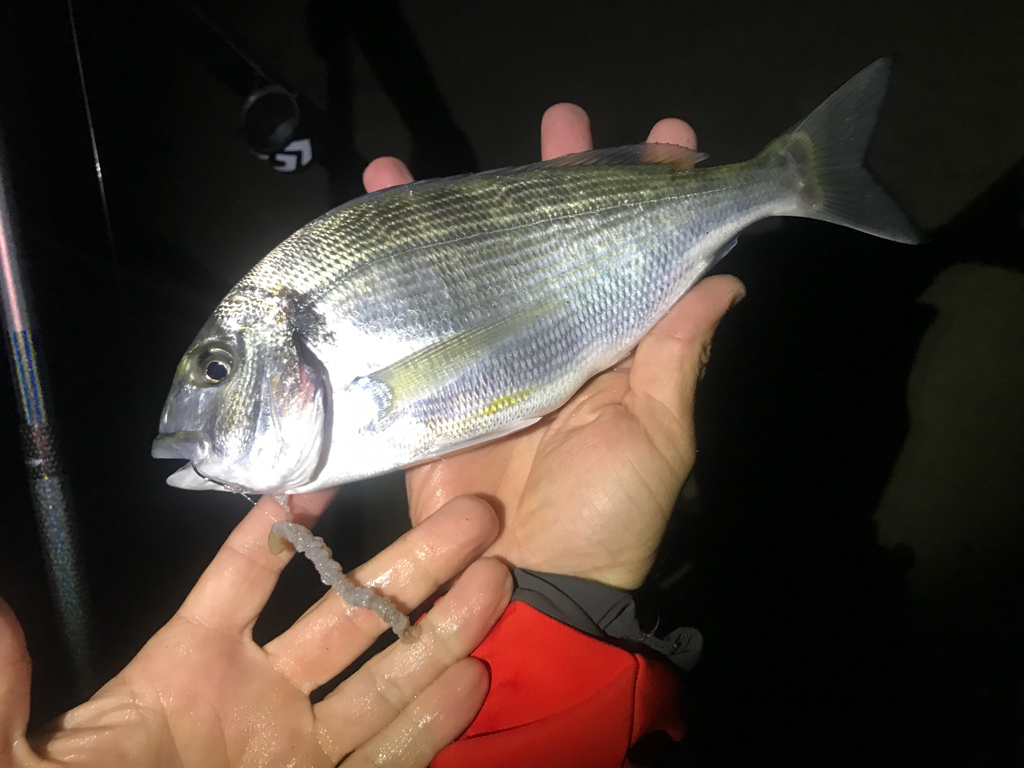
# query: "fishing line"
x,y
129,328
225,486
92,141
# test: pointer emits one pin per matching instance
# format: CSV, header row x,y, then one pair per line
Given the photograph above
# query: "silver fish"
x,y
423,319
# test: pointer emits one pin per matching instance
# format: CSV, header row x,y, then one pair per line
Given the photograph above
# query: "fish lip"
x,y
193,446
189,479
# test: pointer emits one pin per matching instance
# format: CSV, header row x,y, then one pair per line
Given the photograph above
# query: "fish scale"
x,y
427,318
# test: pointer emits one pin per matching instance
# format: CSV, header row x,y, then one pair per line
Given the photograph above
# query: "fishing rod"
x,y
48,485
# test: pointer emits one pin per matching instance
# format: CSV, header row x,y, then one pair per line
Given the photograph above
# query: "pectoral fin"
x,y
430,368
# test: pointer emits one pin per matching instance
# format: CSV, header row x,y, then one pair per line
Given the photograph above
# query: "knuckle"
x,y
388,690
443,645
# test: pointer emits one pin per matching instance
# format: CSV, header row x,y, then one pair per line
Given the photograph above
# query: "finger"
x,y
564,129
237,584
385,172
430,723
670,357
332,634
672,130
15,685
306,508
385,686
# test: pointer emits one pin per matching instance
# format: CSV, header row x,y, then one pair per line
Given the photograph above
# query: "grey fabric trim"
x,y
602,612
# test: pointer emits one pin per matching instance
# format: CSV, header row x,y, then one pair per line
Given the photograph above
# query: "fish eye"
x,y
215,366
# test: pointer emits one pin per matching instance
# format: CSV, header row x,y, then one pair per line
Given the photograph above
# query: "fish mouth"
x,y
193,446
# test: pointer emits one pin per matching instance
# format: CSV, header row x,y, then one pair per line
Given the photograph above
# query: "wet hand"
x,y
202,693
588,490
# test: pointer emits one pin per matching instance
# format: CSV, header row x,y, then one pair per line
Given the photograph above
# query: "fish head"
x,y
247,410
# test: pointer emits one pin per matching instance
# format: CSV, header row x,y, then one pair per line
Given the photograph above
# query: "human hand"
x,y
202,693
588,490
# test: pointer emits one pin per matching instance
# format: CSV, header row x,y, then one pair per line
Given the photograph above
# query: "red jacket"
x,y
560,697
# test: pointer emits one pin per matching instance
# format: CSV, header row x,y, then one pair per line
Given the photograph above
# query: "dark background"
x,y
850,543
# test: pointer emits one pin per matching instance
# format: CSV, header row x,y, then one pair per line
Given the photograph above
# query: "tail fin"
x,y
828,148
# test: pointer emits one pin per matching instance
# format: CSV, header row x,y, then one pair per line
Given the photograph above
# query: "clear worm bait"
x,y
331,575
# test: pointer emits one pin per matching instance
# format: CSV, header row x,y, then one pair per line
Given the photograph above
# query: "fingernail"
x,y
705,355
738,298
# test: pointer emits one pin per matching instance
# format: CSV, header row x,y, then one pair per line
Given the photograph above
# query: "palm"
x,y
586,492
220,696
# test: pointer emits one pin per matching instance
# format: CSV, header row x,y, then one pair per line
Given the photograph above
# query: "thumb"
x,y
15,682
670,358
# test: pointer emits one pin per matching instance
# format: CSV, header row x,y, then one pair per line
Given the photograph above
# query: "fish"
x,y
425,319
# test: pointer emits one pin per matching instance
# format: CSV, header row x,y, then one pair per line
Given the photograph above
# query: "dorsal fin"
x,y
671,157
675,157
